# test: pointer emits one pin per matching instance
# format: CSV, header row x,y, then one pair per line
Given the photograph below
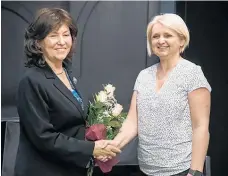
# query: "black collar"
x,y
49,73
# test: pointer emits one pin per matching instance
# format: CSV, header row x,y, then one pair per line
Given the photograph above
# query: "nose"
x,y
161,40
61,40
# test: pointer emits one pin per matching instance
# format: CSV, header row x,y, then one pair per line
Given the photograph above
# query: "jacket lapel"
x,y
74,82
68,94
62,88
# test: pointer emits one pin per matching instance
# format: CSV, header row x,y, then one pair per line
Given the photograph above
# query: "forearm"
x,y
200,143
127,132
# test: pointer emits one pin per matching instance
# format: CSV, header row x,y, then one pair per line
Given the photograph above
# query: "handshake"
x,y
105,150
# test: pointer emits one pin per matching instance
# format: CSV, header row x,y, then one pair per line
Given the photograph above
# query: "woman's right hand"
x,y
105,148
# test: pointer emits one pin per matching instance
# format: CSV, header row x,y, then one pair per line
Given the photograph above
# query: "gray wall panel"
x,y
15,18
112,46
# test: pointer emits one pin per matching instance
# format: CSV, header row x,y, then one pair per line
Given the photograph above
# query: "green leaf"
x,y
115,132
99,105
114,124
110,135
124,114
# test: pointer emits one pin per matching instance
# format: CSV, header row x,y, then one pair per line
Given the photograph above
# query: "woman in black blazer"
x,y
52,119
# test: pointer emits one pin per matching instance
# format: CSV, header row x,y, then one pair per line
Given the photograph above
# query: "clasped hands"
x,y
105,150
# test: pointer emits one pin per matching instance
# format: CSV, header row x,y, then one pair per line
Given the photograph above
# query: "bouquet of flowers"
x,y
105,117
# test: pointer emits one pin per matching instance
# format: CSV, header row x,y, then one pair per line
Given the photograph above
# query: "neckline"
x,y
168,77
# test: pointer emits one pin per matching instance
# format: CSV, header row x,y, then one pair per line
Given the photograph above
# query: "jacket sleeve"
x,y
35,121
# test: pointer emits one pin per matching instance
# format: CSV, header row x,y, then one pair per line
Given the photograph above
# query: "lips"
x,y
60,48
162,47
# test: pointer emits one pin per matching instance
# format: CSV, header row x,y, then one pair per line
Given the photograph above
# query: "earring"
x,y
180,49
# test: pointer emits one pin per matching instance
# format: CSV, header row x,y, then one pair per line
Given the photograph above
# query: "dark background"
x,y
111,48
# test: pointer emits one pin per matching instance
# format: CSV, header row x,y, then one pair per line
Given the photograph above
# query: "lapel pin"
x,y
75,80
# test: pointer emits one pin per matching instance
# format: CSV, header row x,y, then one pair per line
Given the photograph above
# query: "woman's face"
x,y
57,44
165,42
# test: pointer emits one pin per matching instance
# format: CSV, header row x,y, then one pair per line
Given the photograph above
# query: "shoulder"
x,y
188,65
189,68
193,76
32,76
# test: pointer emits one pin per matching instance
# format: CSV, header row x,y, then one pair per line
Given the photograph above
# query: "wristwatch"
x,y
195,172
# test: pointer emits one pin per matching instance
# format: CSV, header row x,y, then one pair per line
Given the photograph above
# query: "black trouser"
x,y
180,174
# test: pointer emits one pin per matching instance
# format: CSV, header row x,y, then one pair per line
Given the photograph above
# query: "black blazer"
x,y
52,127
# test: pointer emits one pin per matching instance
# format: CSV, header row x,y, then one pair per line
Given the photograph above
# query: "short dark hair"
x,y
46,20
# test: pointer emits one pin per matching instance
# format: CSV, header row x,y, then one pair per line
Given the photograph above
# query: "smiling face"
x,y
165,42
57,44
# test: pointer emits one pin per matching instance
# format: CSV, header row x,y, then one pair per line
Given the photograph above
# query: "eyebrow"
x,y
154,34
163,33
54,32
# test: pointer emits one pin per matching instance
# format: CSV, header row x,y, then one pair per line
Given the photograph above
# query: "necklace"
x,y
59,73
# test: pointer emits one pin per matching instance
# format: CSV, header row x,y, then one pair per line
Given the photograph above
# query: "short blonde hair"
x,y
172,21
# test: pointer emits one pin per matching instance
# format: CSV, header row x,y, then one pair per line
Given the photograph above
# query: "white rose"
x,y
110,90
117,110
102,96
